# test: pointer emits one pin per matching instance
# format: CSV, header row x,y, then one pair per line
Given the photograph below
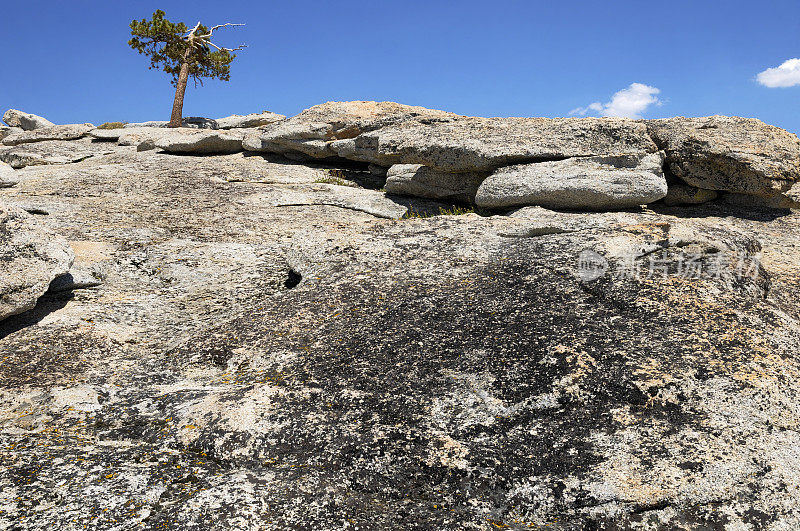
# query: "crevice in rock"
x,y
540,231
333,205
293,279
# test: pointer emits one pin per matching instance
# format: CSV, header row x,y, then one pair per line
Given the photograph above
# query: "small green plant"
x,y
456,211
452,211
336,177
112,125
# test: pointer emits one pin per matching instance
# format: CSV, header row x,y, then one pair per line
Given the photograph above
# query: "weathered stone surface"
x,y
8,177
782,201
463,144
793,194
716,153
141,136
55,132
11,118
190,122
31,257
421,181
682,194
249,120
26,121
253,362
312,131
202,141
6,131
592,183
152,123
108,135
731,154
52,152
345,197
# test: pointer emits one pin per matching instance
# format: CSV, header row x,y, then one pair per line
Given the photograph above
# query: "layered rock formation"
x,y
245,341
721,154
440,155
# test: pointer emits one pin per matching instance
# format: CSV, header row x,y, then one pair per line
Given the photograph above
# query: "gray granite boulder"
x,y
31,256
592,183
729,154
137,136
421,181
237,121
7,176
199,141
26,121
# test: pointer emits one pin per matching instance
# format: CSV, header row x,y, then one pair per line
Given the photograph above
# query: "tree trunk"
x,y
183,77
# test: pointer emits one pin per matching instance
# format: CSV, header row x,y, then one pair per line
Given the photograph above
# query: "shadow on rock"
x,y
46,305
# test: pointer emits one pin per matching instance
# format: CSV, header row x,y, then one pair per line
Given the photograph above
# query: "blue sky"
x,y
69,61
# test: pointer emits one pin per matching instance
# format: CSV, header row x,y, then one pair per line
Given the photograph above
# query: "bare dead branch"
x,y
193,30
241,46
211,30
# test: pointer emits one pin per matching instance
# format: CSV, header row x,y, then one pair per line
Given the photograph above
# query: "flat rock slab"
x,y
109,135
311,131
249,120
152,123
714,153
55,132
199,141
420,181
592,183
31,257
52,152
367,201
466,144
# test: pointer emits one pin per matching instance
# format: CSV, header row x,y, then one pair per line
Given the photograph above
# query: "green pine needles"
x,y
182,53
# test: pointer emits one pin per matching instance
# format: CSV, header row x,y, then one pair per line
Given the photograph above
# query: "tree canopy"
x,y
170,45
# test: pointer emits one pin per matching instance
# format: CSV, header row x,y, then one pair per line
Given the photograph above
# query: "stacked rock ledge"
x,y
578,163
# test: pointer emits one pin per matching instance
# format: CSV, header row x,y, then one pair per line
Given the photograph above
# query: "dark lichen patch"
x,y
392,362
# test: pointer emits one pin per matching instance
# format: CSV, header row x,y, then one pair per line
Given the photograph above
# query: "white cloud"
x,y
786,75
627,103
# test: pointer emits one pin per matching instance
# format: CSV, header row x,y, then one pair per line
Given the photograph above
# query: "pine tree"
x,y
181,52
